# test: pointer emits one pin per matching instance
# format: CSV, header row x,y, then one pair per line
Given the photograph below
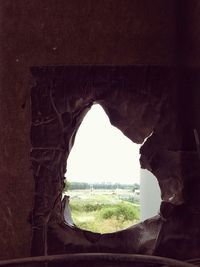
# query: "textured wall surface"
x,y
140,101
49,32
60,99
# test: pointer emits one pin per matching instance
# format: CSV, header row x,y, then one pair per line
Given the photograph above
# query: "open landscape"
x,y
104,210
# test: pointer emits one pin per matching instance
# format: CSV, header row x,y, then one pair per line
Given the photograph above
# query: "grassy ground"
x,y
103,211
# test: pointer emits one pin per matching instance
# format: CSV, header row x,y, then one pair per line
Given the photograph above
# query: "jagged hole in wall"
x,y
103,176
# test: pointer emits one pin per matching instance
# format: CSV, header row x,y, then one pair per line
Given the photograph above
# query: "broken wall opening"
x,y
135,103
103,173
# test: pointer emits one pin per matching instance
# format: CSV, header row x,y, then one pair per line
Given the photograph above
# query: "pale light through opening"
x,y
102,153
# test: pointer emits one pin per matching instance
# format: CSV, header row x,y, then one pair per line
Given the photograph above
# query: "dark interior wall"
x,y
191,57
191,32
49,32
77,32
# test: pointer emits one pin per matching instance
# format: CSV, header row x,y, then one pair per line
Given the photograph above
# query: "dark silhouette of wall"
x,y
50,32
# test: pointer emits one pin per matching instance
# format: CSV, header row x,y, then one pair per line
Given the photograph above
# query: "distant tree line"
x,y
83,185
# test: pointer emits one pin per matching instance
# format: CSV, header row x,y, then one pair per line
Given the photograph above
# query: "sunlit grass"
x,y
103,213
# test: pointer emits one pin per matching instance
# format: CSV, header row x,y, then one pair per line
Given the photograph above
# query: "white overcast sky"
x,y
102,153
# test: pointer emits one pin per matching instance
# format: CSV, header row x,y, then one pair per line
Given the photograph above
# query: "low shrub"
x,y
122,211
103,213
87,207
93,207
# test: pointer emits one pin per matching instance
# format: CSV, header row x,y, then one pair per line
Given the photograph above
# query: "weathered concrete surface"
x,y
35,33
41,33
60,98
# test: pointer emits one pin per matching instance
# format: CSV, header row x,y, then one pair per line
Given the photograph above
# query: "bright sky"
x,y
102,153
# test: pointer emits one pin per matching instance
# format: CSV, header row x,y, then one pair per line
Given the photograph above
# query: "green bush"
x,y
93,207
122,211
87,207
103,213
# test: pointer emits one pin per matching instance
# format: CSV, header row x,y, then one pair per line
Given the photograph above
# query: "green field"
x,y
103,211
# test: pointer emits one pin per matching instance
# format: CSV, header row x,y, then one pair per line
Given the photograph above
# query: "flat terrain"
x,y
104,211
